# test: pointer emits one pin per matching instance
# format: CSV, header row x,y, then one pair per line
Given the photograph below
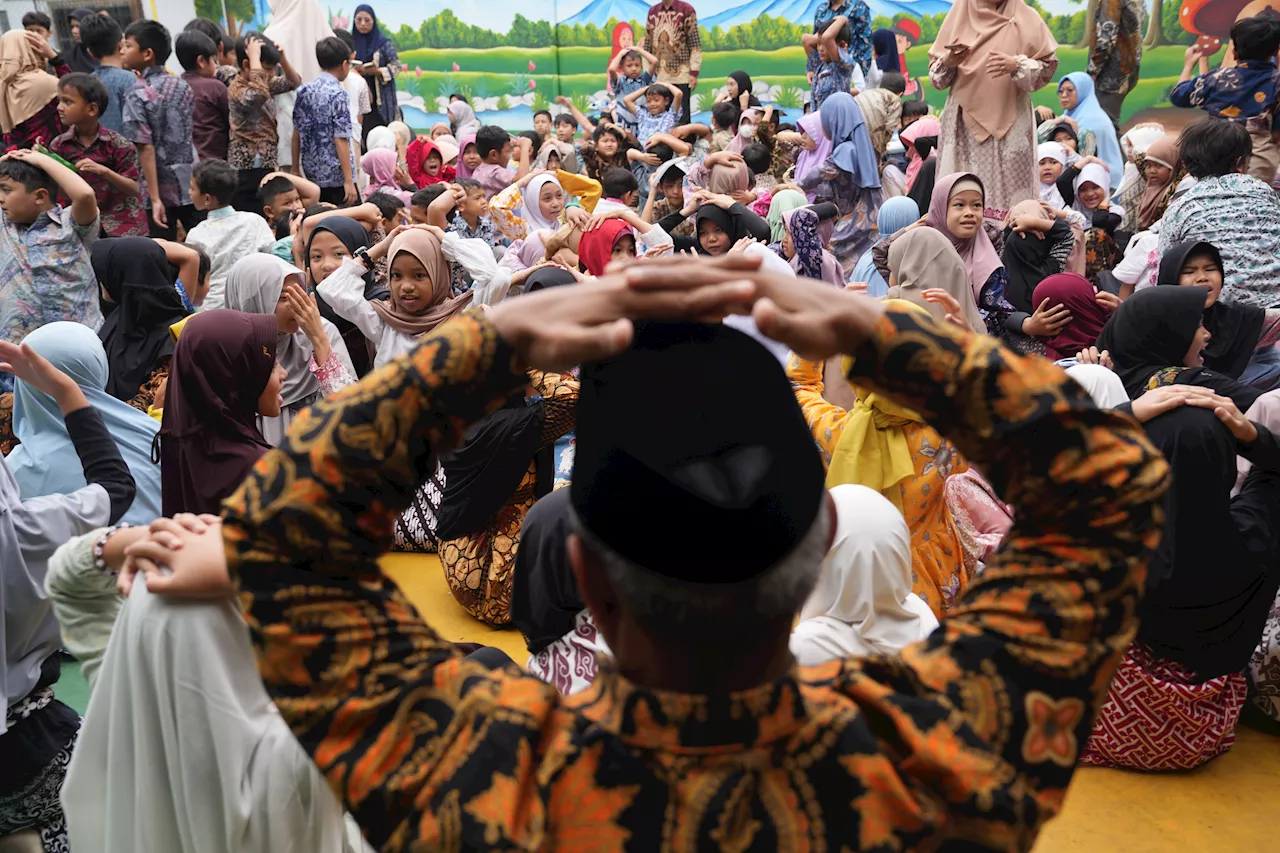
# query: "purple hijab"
x,y
811,160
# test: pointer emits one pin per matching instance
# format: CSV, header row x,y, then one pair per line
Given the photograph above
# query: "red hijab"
x,y
415,157
1087,314
595,250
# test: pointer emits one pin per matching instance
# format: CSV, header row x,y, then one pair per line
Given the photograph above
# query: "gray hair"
x,y
682,608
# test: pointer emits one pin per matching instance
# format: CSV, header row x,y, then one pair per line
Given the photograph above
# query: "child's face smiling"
x,y
657,104
410,283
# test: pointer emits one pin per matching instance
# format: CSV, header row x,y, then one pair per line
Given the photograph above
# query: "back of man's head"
x,y
1213,147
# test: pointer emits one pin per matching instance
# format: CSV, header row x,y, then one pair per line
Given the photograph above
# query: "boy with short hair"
x,y
226,234
470,219
566,127
322,130
225,65
542,125
101,38
106,161
391,209
421,201
627,74
495,146
38,23
668,199
662,102
834,68
618,188
46,274
157,119
357,91
281,192
254,149
211,124
1247,93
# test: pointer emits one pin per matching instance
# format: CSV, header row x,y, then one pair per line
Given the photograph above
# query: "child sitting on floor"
x,y
662,109
495,147
464,211
420,202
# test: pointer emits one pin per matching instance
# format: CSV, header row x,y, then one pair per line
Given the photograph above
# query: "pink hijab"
x,y
463,141
918,129
380,165
809,161
979,255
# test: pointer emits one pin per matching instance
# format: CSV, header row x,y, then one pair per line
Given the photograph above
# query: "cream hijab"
x,y
296,25
863,603
924,258
25,87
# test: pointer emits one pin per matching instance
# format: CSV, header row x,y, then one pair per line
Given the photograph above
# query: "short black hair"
x,y
93,90
458,96
423,198
610,130
469,184
1213,147
1256,38
31,177
661,150
566,118
546,113
152,36
273,189
206,26
228,44
726,114
657,89
673,175
349,39
270,55
894,82
205,264
490,138
757,158
283,226
386,203
38,19
190,46
101,36
617,182
217,178
915,108
631,54
331,52
532,136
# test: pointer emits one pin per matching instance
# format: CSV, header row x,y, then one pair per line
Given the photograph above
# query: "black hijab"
x,y
1153,330
547,277
1234,328
1217,560
545,599
1028,262
140,281
78,57
743,79
353,236
921,191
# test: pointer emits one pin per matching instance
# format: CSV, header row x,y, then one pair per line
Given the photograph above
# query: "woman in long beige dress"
x,y
992,56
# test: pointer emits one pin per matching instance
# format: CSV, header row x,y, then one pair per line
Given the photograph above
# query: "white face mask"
x,y
745,130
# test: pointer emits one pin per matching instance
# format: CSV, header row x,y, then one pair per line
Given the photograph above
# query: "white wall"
x,y
174,14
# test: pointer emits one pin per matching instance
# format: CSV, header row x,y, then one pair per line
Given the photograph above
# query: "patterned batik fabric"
x,y
38,807
570,664
1264,667
1157,717
416,527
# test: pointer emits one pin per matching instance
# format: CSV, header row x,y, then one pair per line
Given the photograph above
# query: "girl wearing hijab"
x,y
1157,337
463,119
613,236
895,214
1102,219
884,49
1075,93
814,150
1175,700
923,259
379,62
140,303
1088,316
992,57
538,201
1242,337
738,84
891,450
556,156
41,465
380,165
721,222
420,282
468,155
37,732
333,240
802,247
28,93
1037,245
1162,169
850,178
921,141
781,203
314,358
224,376
863,604
80,61
426,164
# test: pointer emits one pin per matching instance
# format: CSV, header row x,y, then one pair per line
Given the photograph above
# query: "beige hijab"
x,y
424,246
924,258
25,86
990,104
729,178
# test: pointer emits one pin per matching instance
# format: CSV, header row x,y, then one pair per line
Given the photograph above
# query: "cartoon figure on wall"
x,y
1212,20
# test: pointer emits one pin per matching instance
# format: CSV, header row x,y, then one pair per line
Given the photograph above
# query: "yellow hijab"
x,y
873,449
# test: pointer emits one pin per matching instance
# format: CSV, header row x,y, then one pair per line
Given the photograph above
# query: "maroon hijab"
x,y
1087,314
209,438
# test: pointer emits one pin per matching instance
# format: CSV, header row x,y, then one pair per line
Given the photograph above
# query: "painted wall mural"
x,y
513,57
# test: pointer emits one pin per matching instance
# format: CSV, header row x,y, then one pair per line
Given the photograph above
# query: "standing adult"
x,y
671,34
1116,51
379,64
992,56
78,57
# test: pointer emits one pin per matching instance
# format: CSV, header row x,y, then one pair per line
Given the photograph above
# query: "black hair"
x,y
38,19
532,136
283,226
458,96
894,82
566,118
149,35
205,264
228,44
611,130
206,26
101,36
657,89
674,175
546,113
617,182
93,90
386,203
273,189
787,126
1214,147
331,52
423,198
757,158
661,150
469,184
631,54
1256,38
490,138
31,177
270,55
726,114
217,178
191,46
915,108
348,38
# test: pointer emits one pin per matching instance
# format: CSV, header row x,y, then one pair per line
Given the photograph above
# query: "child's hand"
x,y
740,247
307,313
653,182
951,305
564,101
40,46
90,167
577,217
600,219
1107,300
253,48
1192,55
35,370
26,155
458,193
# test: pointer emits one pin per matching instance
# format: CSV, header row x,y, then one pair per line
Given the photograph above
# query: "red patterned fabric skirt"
x,y
1156,717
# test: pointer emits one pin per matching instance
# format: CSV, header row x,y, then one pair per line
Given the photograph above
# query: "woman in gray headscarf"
x,y
257,285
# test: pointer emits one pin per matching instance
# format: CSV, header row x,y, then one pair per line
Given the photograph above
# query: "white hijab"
x,y
863,603
30,531
296,25
1101,383
1049,192
463,118
181,749
532,209
1096,174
